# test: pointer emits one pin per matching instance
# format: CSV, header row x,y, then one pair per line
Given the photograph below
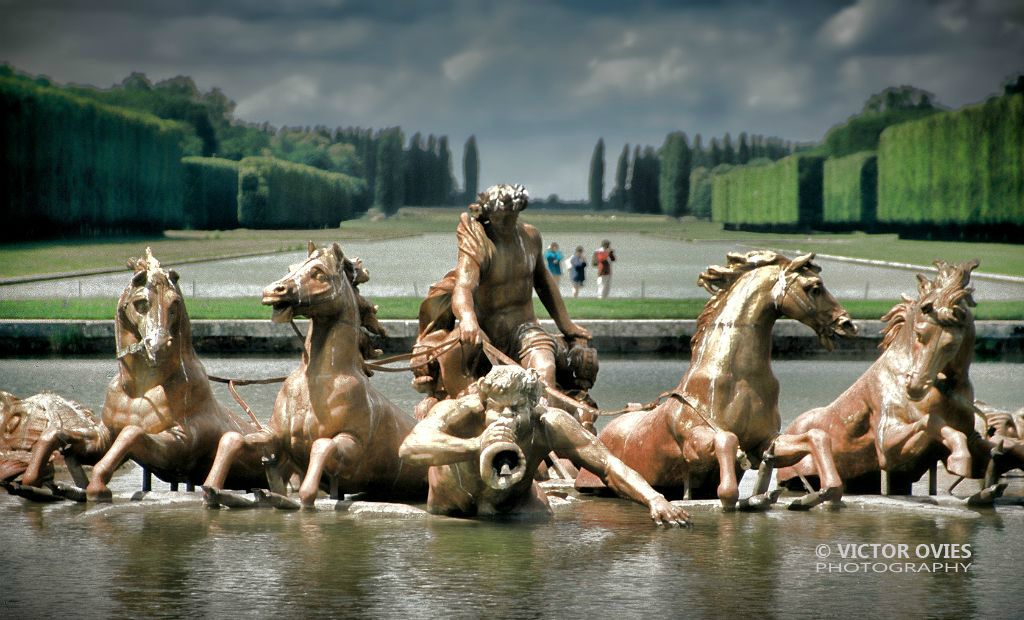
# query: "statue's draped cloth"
x,y
436,310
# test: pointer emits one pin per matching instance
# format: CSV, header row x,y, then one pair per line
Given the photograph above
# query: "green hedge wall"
x,y
958,168
279,194
785,193
850,189
211,193
73,165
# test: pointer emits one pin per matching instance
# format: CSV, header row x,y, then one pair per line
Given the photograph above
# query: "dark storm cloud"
x,y
537,82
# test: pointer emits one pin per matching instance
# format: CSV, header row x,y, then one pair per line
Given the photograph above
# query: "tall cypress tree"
x,y
728,151
715,155
389,170
471,168
743,154
444,167
618,196
414,178
596,185
650,180
634,183
700,156
674,176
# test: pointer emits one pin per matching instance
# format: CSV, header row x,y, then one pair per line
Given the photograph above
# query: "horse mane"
x,y
719,280
895,319
355,274
948,294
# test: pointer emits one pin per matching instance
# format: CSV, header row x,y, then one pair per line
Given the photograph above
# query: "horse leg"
x,y
790,449
761,499
231,443
97,490
959,461
703,442
331,454
49,441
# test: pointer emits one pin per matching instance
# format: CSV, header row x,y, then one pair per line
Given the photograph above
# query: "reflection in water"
x,y
601,557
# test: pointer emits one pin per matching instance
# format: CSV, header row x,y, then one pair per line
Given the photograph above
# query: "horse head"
x,y
151,311
322,285
943,327
800,294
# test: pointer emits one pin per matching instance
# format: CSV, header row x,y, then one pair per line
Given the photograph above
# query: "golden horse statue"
x,y
724,413
159,410
24,420
328,418
915,404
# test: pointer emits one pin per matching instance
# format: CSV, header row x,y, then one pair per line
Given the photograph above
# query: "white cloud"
x,y
625,75
778,88
295,91
463,65
845,28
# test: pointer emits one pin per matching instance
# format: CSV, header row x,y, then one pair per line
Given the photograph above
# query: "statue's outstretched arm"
x,y
585,450
549,295
431,442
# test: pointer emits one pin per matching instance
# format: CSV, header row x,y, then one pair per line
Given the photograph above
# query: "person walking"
x,y
603,258
578,264
553,256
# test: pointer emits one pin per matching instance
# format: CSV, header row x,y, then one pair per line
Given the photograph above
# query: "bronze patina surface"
x,y
485,447
328,417
24,420
724,414
915,404
490,294
159,409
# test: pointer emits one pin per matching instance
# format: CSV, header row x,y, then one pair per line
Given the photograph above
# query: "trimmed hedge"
x,y
786,193
850,189
71,165
954,169
279,194
211,193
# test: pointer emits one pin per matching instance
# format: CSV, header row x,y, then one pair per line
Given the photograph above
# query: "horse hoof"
x,y
214,498
811,500
277,500
987,496
31,493
102,496
70,491
759,503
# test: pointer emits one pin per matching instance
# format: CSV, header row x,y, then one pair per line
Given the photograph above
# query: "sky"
x,y
536,82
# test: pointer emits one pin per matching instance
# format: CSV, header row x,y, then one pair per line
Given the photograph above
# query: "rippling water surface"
x,y
596,558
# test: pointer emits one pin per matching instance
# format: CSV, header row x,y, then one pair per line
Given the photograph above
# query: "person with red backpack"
x,y
603,258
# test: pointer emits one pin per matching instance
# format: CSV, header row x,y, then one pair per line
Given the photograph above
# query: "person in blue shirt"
x,y
554,259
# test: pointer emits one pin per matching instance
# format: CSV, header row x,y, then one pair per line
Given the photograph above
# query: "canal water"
x,y
595,559
646,266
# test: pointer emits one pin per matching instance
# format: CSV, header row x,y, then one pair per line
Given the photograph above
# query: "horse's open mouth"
x,y
283,312
842,327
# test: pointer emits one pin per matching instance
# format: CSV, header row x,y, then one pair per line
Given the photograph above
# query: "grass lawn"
x,y
175,247
407,308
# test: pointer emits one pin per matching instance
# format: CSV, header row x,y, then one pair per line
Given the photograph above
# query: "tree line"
x,y
902,163
42,170
649,180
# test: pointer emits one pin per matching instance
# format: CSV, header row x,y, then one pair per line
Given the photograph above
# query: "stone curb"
x,y
995,339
